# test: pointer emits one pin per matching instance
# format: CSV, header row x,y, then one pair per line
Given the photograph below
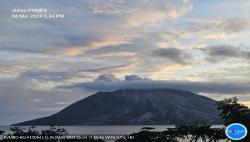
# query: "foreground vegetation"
x,y
53,134
192,132
231,112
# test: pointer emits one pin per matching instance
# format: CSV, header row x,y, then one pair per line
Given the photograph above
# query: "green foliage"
x,y
234,112
203,132
193,132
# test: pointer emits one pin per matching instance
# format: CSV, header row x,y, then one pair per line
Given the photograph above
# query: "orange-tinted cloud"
x,y
74,51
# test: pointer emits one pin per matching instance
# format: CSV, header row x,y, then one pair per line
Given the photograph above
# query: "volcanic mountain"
x,y
135,107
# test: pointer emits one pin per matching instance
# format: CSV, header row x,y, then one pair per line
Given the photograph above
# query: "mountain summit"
x,y
135,107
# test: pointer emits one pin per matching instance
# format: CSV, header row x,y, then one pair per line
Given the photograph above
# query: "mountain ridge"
x,y
135,107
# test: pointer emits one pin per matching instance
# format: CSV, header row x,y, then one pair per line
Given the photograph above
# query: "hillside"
x,y
135,107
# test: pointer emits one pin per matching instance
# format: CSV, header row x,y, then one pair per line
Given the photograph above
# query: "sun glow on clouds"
x,y
138,28
74,51
146,17
246,103
168,71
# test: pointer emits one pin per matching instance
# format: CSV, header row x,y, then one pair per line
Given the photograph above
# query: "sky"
x,y
103,45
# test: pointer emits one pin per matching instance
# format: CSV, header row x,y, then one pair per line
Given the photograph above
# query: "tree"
x,y
1,132
234,112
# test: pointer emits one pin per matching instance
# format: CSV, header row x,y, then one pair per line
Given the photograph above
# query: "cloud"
x,y
214,35
48,79
173,55
123,7
59,34
94,45
141,12
232,25
227,25
107,77
89,27
224,52
132,77
18,64
46,75
167,39
22,99
118,37
218,28
209,87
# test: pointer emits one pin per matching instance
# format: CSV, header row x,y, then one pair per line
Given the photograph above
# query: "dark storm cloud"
x,y
173,55
197,86
223,52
